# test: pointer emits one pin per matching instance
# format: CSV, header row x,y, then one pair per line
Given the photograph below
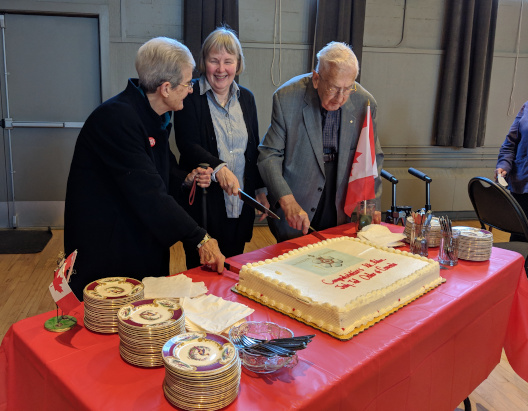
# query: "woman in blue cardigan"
x,y
218,126
513,160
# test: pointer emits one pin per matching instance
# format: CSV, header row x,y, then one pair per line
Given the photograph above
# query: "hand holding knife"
x,y
258,206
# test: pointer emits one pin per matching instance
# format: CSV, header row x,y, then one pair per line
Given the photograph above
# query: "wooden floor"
x,y
25,278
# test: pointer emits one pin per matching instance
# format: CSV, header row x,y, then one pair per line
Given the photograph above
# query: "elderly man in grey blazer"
x,y
307,153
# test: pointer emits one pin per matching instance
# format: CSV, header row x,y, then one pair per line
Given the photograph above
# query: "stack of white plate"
x,y
145,326
202,371
103,299
474,244
435,232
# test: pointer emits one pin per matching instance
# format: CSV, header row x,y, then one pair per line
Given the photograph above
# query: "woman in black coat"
x,y
218,126
121,212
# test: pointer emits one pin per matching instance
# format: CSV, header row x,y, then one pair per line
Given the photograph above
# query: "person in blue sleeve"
x,y
512,163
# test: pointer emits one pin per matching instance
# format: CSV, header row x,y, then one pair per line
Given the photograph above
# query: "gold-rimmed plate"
x,y
198,352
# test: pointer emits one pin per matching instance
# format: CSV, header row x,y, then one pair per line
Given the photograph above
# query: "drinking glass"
x,y
419,241
448,253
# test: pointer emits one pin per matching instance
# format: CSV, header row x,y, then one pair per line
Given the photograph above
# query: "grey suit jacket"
x,y
291,153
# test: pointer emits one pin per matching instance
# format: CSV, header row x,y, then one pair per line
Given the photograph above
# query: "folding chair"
x,y
497,208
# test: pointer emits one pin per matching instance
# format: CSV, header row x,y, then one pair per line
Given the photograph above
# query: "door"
x,y
50,83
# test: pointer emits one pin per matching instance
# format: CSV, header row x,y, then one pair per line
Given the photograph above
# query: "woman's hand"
x,y
227,181
211,256
201,175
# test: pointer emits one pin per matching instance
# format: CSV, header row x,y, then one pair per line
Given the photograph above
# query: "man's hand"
x,y
262,199
211,256
227,181
297,218
202,176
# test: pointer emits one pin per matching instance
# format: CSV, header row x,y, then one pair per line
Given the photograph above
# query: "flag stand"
x,y
60,323
364,215
63,296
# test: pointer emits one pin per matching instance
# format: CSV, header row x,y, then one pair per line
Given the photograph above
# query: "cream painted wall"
x,y
401,59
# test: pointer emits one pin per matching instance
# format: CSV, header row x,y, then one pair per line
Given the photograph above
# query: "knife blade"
x,y
316,233
256,205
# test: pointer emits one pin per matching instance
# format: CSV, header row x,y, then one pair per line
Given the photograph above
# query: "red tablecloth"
x,y
429,355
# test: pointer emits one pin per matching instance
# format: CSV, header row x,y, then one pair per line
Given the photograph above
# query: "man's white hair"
x,y
337,54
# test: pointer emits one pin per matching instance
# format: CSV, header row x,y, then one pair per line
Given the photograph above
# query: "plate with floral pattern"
x,y
150,313
198,352
112,288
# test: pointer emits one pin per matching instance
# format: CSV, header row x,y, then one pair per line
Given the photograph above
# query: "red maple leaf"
x,y
356,156
57,282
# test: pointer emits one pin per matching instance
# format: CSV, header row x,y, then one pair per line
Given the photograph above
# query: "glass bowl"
x,y
265,331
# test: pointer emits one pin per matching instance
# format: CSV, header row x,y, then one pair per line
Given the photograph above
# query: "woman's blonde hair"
x,y
223,38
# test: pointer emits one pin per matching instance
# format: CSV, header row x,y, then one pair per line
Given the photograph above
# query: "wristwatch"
x,y
206,238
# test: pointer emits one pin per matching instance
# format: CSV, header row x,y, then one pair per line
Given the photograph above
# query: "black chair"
x,y
497,208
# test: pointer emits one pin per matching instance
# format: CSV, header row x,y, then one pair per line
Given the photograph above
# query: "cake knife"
x,y
316,233
256,205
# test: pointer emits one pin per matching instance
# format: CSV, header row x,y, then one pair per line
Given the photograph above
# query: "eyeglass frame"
x,y
189,85
334,91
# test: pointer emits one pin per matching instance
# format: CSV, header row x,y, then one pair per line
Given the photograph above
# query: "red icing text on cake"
x,y
367,271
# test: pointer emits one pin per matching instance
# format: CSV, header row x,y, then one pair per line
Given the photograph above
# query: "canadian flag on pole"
x,y
364,168
59,288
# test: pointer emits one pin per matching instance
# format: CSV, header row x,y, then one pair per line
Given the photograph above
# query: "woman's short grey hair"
x,y
339,54
223,38
162,59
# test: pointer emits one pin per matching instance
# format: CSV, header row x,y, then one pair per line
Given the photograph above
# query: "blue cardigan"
x,y
513,154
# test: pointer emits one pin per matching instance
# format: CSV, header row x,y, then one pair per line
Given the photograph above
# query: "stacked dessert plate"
x,y
103,299
145,326
202,371
474,244
435,232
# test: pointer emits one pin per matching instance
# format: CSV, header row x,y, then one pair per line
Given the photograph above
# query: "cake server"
x,y
256,205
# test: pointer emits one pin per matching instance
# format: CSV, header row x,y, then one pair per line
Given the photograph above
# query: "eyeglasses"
x,y
334,91
188,85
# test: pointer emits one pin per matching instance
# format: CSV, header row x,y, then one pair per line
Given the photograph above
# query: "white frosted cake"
x,y
339,285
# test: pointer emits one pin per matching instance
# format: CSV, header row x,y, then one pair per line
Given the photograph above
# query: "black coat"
x,y
121,211
196,141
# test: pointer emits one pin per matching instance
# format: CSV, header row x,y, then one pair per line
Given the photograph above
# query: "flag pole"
x,y
365,201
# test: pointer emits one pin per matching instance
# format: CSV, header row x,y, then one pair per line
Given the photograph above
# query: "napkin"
x,y
212,313
176,286
381,236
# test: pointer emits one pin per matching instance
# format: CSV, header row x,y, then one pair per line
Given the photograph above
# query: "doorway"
x,y
50,83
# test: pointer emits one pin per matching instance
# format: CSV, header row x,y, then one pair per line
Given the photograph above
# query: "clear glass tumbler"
x,y
448,253
419,242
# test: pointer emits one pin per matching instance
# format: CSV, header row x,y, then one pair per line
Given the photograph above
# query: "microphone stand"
x,y
396,214
424,177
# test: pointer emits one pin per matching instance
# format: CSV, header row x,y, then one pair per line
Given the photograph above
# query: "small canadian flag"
x,y
59,288
364,170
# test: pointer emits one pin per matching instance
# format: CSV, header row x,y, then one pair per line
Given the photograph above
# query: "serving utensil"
x,y
283,347
256,205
